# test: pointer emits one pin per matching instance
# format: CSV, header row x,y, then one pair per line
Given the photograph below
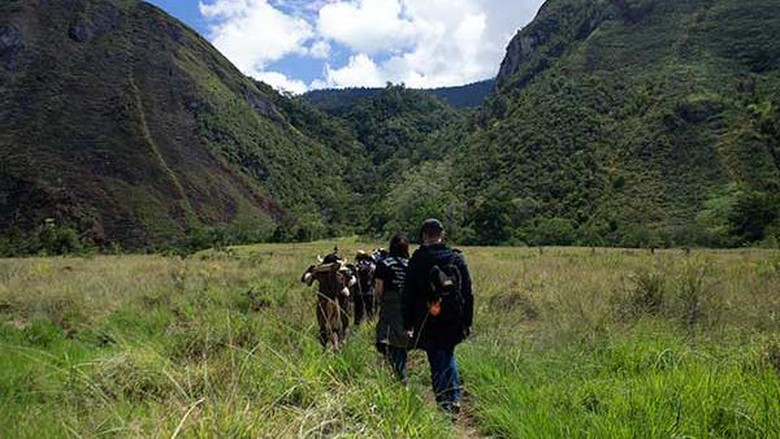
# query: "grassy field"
x,y
567,343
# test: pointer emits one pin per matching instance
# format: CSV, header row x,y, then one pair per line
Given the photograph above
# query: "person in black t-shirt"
x,y
392,339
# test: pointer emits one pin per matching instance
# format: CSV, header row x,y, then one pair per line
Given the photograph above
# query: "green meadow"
x,y
568,342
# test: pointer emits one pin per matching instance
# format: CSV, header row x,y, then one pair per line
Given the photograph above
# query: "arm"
x,y
308,277
466,291
378,275
409,291
379,289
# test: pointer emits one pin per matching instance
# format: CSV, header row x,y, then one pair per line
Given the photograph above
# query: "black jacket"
x,y
428,332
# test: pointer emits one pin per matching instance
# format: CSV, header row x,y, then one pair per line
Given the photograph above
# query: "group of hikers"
x,y
424,302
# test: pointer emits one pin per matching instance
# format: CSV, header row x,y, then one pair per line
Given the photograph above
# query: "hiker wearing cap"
x,y
438,309
334,280
392,339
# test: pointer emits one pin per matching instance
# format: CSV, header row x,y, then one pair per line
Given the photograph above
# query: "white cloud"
x,y
280,81
300,7
367,26
431,43
423,43
252,33
361,71
320,50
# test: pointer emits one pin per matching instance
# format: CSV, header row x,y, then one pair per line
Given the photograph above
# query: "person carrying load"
x,y
334,280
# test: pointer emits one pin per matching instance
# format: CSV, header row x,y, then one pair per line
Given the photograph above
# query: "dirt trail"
x,y
466,426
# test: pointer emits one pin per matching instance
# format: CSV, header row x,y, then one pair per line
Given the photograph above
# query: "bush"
x,y
49,239
752,214
647,295
696,298
554,231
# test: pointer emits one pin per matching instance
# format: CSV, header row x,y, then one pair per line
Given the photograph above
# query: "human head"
x,y
399,246
361,255
432,231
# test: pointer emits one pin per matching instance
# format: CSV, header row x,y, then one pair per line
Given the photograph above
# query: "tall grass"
x,y
566,343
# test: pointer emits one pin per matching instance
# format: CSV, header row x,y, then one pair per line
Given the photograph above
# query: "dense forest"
x,y
643,123
336,101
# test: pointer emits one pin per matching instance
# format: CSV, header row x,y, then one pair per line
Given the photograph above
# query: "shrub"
x,y
695,293
647,294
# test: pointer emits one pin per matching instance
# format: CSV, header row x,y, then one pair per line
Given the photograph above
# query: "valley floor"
x,y
568,342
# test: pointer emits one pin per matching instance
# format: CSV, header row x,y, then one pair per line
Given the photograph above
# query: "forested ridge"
x,y
634,123
622,123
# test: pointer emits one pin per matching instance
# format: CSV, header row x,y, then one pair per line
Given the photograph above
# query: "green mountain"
x,y
336,101
399,133
402,131
122,124
622,122
631,122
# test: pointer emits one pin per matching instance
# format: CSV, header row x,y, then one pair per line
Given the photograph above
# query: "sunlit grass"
x,y
568,342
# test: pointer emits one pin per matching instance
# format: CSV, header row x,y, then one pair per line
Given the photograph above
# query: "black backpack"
x,y
446,300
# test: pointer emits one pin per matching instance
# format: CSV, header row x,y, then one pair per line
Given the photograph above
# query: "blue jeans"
x,y
444,377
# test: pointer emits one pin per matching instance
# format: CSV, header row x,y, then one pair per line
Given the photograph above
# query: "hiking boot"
x,y
452,408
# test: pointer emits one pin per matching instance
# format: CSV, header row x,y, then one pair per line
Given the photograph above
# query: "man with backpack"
x,y
439,309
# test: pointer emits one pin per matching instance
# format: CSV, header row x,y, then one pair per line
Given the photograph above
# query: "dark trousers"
x,y
364,307
397,359
444,377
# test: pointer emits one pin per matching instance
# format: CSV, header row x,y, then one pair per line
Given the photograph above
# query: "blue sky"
x,y
299,45
186,11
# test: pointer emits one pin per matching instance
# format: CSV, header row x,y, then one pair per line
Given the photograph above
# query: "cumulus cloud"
x,y
367,26
429,43
361,71
253,33
422,43
320,50
280,81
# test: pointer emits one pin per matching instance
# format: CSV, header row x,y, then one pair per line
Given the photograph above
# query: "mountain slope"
x,y
645,122
402,132
123,123
336,101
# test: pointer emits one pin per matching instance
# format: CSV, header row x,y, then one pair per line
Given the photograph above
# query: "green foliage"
x,y
339,101
622,141
48,239
641,123
424,192
148,159
402,174
752,213
554,231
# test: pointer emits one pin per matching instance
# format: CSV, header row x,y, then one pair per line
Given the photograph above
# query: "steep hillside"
x,y
642,122
621,122
122,123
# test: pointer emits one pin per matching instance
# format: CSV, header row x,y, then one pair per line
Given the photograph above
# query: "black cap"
x,y
432,227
